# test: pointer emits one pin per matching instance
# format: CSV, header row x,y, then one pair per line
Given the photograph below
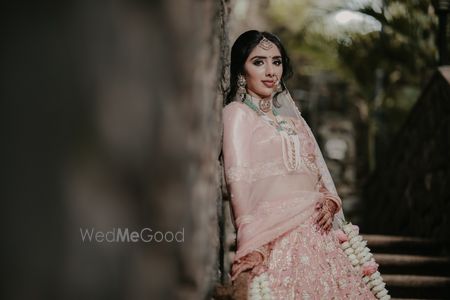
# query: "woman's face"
x,y
263,69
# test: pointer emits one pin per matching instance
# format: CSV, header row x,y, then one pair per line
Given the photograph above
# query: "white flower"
x,y
349,251
375,275
345,245
260,288
352,234
348,228
355,239
379,287
359,249
359,254
383,293
376,281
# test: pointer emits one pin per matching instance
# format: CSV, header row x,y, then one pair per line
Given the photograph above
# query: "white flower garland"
x,y
360,257
358,253
259,288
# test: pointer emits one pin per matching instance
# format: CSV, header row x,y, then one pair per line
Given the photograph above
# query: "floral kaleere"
x,y
358,253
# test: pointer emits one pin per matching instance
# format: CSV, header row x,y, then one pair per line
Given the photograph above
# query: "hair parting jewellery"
x,y
265,44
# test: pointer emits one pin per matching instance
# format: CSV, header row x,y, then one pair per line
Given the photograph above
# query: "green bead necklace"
x,y
280,124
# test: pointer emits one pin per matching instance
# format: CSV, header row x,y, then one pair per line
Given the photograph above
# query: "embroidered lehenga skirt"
x,y
305,264
274,204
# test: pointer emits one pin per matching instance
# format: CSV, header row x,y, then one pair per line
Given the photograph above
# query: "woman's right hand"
x,y
325,215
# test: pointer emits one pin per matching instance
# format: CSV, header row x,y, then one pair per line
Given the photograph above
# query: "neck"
x,y
265,105
258,98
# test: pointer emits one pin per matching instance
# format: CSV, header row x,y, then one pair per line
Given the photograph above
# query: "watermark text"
x,y
124,235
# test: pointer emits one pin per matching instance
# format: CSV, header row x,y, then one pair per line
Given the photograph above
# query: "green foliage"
x,y
404,51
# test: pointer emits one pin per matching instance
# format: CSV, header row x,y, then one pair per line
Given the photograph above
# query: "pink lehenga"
x,y
276,181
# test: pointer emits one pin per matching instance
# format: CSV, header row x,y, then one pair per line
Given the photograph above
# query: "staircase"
x,y
413,268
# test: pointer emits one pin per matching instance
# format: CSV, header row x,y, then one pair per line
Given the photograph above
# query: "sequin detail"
x,y
264,170
304,264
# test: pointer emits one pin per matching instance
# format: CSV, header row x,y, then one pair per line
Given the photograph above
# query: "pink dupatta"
x,y
268,199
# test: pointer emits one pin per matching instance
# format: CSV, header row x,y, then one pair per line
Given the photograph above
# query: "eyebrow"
x,y
264,57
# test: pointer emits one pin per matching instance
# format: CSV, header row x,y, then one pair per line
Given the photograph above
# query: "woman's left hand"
x,y
324,218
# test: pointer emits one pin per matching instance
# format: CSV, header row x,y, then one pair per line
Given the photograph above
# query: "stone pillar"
x,y
113,120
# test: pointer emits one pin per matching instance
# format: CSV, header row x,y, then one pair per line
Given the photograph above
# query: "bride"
x,y
283,199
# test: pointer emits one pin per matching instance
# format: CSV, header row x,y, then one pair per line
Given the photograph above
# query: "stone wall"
x,y
112,120
409,193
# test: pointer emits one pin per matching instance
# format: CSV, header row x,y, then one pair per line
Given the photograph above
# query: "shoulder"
x,y
237,110
236,106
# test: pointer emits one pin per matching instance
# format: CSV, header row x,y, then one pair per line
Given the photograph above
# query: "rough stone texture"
x,y
409,193
112,119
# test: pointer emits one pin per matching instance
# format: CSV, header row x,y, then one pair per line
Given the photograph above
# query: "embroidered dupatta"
x,y
267,198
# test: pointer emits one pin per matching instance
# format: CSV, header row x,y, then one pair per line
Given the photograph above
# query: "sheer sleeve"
x,y
237,138
325,182
236,153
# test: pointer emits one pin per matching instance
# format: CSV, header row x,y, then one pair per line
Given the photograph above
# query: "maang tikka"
x,y
265,44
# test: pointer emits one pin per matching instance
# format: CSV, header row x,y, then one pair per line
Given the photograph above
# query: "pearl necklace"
x,y
290,144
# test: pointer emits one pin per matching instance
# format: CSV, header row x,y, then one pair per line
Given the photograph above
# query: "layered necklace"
x,y
290,143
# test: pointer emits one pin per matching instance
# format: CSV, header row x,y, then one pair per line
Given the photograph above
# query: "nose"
x,y
269,70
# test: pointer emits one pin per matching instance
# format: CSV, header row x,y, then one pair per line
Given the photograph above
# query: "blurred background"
x,y
111,118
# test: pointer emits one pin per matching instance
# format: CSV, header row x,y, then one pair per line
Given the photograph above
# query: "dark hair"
x,y
240,51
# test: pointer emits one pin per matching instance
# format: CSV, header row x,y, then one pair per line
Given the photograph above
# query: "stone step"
x,y
403,244
413,264
417,286
401,287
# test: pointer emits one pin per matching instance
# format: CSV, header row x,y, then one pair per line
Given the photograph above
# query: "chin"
x,y
265,94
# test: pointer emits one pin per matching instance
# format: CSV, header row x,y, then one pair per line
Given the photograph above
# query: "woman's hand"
x,y
241,286
247,263
324,218
250,266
